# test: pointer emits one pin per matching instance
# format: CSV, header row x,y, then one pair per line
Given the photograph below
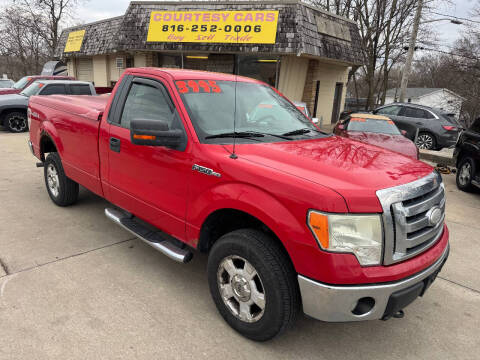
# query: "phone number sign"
x,y
243,27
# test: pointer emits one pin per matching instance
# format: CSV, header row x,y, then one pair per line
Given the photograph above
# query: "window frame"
x,y
151,83
47,86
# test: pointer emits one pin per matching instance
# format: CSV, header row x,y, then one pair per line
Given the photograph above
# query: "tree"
x,y
52,15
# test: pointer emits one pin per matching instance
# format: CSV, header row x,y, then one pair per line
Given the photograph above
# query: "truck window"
x,y
53,89
80,89
146,102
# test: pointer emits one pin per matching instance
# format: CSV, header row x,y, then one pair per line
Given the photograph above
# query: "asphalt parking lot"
x,y
75,286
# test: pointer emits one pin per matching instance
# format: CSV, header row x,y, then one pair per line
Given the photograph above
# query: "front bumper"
x,y
30,146
377,301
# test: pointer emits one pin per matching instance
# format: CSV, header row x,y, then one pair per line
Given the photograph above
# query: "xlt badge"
x,y
205,170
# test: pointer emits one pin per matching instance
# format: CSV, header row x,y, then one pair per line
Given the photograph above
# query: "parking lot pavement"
x,y
79,287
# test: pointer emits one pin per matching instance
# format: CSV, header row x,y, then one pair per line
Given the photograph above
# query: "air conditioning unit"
x,y
120,61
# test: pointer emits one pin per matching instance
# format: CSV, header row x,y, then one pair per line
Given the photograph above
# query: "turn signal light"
x,y
143,137
319,225
449,128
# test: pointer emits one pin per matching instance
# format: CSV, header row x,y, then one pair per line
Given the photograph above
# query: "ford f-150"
x,y
291,218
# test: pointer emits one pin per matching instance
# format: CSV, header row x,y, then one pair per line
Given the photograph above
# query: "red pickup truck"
x,y
292,218
28,80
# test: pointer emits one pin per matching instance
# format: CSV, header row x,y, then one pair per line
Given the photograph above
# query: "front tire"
x,y
62,190
465,174
16,122
253,284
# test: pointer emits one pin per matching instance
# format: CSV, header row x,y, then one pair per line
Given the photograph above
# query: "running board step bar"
x,y
156,239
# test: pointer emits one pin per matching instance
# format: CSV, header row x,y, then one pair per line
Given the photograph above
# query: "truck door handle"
x,y
115,144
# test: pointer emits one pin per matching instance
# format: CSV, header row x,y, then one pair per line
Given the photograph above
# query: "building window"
x,y
169,61
265,69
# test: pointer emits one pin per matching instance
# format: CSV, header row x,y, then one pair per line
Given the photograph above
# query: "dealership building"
x,y
305,52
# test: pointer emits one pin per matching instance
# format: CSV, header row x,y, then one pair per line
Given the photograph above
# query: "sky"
x,y
93,10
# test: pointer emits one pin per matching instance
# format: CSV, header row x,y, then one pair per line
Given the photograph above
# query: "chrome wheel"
x,y
52,180
17,123
465,174
424,141
241,289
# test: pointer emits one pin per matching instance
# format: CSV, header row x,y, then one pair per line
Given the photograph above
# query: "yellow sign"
x,y
74,41
243,27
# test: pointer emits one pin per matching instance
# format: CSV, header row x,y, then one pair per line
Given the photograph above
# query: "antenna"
x,y
235,70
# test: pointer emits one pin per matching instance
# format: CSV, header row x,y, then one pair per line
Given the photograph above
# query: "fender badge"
x,y
206,171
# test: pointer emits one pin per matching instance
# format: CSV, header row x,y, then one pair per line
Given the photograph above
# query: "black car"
x,y
467,156
436,128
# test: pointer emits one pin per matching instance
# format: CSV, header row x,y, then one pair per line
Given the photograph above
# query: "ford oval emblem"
x,y
434,216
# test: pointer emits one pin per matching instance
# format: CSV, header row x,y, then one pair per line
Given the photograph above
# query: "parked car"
x,y
6,83
377,130
291,217
26,81
436,129
467,156
13,107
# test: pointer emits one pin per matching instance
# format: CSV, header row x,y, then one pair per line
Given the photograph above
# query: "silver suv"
x,y
436,128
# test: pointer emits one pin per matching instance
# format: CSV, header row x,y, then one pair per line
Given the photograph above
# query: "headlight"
x,y
360,235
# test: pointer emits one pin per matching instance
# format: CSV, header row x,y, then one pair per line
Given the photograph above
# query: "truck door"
x,y
148,181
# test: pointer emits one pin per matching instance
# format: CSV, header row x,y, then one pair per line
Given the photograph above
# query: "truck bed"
x,y
91,107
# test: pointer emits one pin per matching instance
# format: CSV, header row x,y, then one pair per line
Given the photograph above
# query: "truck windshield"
x,y
20,84
259,112
33,89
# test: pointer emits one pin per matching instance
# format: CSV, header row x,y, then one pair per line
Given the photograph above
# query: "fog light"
x,y
364,305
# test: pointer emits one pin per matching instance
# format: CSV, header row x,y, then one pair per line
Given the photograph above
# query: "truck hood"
x,y
353,169
5,91
13,99
398,143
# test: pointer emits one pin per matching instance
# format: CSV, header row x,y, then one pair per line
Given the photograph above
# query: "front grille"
x,y
413,217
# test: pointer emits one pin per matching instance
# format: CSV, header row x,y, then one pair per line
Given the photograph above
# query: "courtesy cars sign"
x,y
74,41
245,27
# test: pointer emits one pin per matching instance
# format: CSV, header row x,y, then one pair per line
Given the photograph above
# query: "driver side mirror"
x,y
154,133
404,132
341,127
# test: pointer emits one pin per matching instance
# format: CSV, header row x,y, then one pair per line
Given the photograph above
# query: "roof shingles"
x,y
297,32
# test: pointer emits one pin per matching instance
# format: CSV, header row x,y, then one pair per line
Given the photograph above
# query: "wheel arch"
x,y
225,220
47,145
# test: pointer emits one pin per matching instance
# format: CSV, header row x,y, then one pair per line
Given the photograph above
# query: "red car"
x,y
27,80
291,218
376,130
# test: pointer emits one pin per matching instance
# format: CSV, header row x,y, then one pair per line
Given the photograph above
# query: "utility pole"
x,y
411,49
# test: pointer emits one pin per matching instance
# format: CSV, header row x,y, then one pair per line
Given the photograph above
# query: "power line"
x,y
449,53
456,17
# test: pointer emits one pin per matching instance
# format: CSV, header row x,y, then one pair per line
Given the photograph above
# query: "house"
x,y
301,50
434,97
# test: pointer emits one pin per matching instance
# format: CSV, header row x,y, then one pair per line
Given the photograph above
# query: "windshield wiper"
x,y
239,134
301,132
246,134
297,132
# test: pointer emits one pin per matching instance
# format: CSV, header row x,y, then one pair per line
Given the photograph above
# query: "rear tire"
x,y
16,122
426,140
253,284
62,190
465,174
